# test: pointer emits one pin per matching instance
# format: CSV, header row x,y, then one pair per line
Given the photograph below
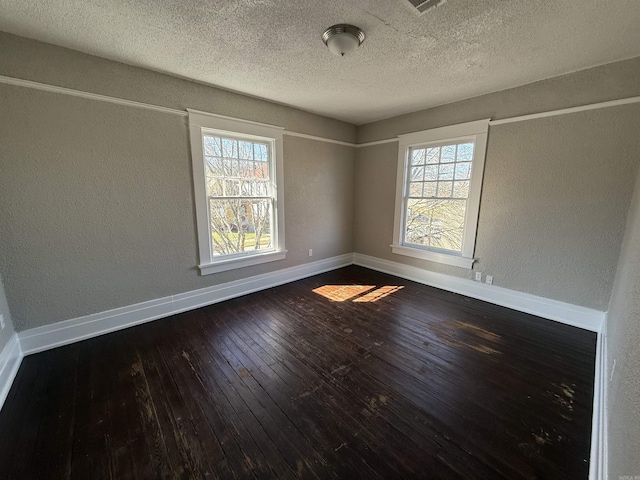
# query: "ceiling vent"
x,y
422,6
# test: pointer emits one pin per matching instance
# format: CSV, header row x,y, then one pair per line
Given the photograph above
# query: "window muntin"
x,y
438,190
237,169
436,196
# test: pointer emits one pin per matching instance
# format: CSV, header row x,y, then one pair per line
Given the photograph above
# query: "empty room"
x,y
375,239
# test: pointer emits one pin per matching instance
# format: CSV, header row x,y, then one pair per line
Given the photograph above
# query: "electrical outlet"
x,y
478,276
311,252
489,279
1,321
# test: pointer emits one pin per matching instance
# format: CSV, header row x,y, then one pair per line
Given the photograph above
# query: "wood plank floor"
x,y
349,374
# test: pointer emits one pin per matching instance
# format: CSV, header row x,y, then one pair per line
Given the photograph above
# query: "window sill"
x,y
448,259
241,262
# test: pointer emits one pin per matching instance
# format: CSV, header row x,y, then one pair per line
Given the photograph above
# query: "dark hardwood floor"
x,y
349,374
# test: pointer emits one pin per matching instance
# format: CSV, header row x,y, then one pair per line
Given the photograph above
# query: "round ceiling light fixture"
x,y
342,39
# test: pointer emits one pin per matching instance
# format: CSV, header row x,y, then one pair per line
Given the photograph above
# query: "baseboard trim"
x,y
566,313
10,360
603,410
598,457
69,331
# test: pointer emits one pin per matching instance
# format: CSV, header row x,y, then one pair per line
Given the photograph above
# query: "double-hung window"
x,y
438,193
237,167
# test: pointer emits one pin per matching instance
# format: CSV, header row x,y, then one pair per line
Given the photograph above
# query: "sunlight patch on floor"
x,y
376,295
359,293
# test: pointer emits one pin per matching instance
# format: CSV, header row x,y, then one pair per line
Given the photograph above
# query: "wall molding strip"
x,y
132,103
88,95
377,142
69,331
565,111
183,113
319,139
10,360
534,116
562,312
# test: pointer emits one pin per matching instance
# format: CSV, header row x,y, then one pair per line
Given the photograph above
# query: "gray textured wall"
x,y
623,343
553,209
5,334
98,210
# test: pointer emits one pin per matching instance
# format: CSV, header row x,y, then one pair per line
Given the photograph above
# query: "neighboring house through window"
x,y
237,167
438,193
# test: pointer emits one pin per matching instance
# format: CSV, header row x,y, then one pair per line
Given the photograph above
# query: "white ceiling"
x,y
273,48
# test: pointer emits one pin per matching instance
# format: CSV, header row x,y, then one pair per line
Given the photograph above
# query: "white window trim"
x,y
203,121
477,131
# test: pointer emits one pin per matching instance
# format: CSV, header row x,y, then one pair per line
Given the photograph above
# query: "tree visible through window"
x,y
239,194
437,194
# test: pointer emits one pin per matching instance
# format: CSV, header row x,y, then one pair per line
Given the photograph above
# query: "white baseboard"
x,y
10,360
598,457
567,313
69,331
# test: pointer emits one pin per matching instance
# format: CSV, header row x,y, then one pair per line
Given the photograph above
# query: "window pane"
x,y
417,156
430,189
240,225
463,171
461,189
433,155
444,189
445,172
245,150
415,189
465,152
261,188
435,223
231,187
214,186
232,167
261,170
229,148
431,172
260,152
246,188
246,169
416,174
212,146
214,167
448,154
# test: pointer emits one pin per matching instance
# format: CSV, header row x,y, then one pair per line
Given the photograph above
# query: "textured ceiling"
x,y
272,49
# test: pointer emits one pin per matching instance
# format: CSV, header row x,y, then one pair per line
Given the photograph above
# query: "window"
x,y
438,193
237,167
